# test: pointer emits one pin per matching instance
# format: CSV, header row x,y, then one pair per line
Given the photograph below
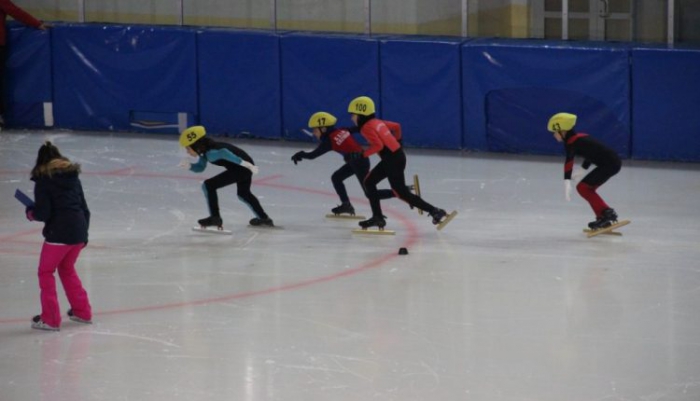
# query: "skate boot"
x,y
211,221
39,324
258,222
346,207
606,219
437,215
74,318
373,221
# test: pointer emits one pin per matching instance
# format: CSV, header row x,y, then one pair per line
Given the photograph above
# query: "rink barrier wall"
x,y
478,94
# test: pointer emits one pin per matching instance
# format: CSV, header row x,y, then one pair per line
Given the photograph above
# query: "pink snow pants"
x,y
62,258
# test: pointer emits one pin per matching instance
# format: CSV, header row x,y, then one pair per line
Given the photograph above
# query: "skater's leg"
x,y
249,199
51,257
397,180
210,186
76,294
376,175
588,186
337,179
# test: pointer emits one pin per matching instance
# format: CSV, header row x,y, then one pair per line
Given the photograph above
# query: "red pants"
x,y
62,258
588,192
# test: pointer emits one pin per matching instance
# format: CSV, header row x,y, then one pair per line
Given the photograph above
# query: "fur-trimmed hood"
x,y
58,166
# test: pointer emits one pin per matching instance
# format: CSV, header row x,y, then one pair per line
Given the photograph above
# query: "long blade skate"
x,y
211,230
588,230
608,229
416,189
345,216
446,220
375,231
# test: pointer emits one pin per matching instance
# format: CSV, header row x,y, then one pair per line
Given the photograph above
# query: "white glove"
x,y
184,164
567,190
250,166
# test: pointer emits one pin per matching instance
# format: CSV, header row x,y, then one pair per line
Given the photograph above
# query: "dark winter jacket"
x,y
60,203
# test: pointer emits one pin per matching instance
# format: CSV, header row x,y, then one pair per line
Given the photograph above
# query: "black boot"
x,y
258,222
211,221
607,218
346,207
437,215
373,221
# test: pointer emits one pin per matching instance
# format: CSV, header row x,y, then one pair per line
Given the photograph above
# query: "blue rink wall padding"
x,y
27,76
512,87
103,74
421,89
239,82
666,103
324,73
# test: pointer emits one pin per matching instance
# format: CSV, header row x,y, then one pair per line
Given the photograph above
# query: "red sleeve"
x,y
395,129
17,13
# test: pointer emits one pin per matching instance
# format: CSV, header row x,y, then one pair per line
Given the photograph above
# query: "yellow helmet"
x,y
561,122
362,105
192,135
322,119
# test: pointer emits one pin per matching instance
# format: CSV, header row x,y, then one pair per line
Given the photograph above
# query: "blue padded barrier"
x,y
421,90
27,76
109,77
512,87
324,73
239,82
666,103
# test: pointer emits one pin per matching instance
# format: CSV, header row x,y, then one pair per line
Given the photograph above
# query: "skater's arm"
x,y
372,137
83,204
42,203
569,163
223,154
322,148
199,166
395,129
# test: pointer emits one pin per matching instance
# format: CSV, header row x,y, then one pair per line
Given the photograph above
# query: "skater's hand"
x,y
250,166
184,164
567,190
29,212
297,157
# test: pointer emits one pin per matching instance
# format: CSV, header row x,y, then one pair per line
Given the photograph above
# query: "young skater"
x,y
60,204
239,170
605,159
341,141
392,165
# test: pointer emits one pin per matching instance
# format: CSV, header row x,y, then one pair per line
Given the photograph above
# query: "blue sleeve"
x,y
223,154
199,166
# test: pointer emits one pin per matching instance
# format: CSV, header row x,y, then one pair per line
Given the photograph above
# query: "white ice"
x,y
510,302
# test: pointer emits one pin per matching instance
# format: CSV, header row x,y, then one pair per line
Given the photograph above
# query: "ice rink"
x,y
510,302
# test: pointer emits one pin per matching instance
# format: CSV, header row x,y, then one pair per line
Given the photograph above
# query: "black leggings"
x,y
601,174
241,176
392,166
359,168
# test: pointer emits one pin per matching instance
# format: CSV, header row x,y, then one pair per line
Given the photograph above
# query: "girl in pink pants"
x,y
60,204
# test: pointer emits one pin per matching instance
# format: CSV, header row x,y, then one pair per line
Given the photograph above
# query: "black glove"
x,y
297,157
586,164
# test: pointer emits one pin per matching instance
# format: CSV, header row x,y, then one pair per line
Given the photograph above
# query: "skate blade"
x,y
275,227
446,220
588,230
373,231
607,230
416,190
346,216
211,230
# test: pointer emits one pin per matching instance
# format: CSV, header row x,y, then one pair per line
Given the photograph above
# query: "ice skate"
x,y
415,188
39,324
344,211
212,224
344,208
366,226
258,222
441,218
605,224
74,318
